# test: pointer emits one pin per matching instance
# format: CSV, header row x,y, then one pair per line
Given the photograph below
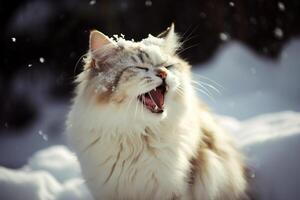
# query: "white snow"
x,y
278,32
52,173
92,2
42,60
224,36
281,6
270,142
148,3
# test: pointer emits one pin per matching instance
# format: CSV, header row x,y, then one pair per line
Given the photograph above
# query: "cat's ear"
x,y
171,43
98,40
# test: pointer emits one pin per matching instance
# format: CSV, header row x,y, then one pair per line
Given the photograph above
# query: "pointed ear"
x,y
166,32
98,40
171,39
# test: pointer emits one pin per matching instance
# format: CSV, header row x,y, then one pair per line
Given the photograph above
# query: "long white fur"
x,y
110,139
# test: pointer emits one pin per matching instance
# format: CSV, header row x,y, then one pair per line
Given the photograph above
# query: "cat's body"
x,y
133,145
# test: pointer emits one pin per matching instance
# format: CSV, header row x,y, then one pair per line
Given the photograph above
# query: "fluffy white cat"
x,y
139,130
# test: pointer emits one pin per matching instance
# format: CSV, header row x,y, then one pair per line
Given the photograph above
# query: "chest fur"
x,y
138,170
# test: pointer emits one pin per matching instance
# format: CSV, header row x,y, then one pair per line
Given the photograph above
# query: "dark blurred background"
x,y
43,41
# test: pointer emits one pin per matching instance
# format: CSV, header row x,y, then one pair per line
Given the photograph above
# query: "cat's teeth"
x,y
154,89
156,107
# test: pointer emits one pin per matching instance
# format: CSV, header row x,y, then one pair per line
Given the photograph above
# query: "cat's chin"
x,y
154,99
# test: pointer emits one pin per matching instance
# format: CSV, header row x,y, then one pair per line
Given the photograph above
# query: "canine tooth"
x,y
156,107
154,89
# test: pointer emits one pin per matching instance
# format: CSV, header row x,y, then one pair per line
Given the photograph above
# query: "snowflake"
x,y
224,36
148,3
44,136
42,60
13,39
278,33
92,2
281,6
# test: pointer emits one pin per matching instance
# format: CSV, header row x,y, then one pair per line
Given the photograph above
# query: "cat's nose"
x,y
161,73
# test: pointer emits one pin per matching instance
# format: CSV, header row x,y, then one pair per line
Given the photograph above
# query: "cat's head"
x,y
135,81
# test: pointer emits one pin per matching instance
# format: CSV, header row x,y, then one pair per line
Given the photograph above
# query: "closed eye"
x,y
143,68
169,66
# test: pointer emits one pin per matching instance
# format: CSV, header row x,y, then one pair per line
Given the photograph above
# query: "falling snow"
x,y
278,33
148,3
43,135
13,39
281,6
231,4
29,65
224,36
42,60
92,2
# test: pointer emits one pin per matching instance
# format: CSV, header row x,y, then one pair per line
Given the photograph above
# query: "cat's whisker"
x,y
202,87
187,30
190,35
204,92
208,79
77,62
180,91
183,50
200,83
188,39
136,108
143,100
129,103
141,105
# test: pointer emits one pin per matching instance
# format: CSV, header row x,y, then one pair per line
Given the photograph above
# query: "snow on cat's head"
x,y
127,82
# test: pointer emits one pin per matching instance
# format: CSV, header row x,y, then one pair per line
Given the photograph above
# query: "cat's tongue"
x,y
155,100
158,97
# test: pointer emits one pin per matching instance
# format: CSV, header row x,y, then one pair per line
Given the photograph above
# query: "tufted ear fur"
x,y
171,39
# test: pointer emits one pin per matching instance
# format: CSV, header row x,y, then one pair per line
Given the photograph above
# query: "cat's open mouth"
x,y
154,99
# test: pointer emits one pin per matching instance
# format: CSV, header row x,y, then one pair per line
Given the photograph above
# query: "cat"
x,y
140,131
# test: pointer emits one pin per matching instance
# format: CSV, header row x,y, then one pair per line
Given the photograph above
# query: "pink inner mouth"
x,y
154,99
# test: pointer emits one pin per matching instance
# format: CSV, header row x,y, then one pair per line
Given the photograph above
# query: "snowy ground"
x,y
270,142
249,86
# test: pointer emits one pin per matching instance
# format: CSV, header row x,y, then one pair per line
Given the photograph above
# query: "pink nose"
x,y
161,73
